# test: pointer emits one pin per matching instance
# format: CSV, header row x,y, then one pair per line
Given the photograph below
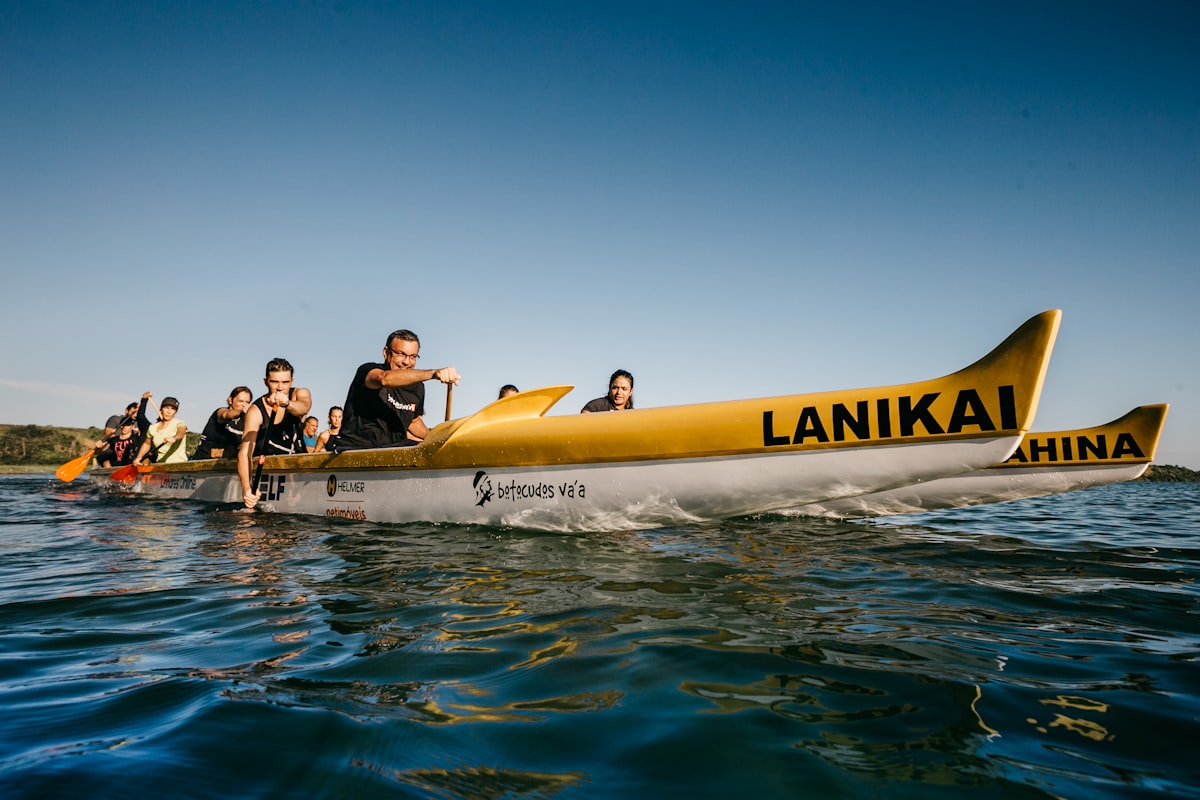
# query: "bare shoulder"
x,y
253,418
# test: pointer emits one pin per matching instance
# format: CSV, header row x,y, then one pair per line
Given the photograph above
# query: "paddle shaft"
x,y
263,432
449,399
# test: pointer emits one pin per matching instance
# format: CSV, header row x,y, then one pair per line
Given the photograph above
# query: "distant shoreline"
x,y
83,438
26,469
1169,473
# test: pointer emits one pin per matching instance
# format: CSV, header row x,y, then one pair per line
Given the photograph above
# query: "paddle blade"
x,y
126,474
74,468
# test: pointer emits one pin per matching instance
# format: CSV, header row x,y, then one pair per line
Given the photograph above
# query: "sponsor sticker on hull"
x,y
334,486
350,494
185,483
512,490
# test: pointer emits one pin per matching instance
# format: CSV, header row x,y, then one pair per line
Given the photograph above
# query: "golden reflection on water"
x,y
483,783
523,710
254,550
1083,727
1086,728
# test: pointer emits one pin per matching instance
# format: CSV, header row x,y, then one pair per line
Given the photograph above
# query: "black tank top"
x,y
223,433
284,437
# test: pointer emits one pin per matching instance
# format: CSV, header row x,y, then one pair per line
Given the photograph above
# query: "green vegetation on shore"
x,y
41,448
1167,473
37,445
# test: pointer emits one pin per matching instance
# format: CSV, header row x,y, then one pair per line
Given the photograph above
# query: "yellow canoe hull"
x,y
510,464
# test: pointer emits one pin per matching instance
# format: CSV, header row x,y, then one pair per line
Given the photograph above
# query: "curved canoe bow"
x,y
1043,464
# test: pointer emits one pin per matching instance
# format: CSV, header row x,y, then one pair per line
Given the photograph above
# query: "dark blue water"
x,y
1044,648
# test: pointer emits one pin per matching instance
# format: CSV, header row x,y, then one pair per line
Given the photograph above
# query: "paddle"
x,y
125,474
263,432
449,399
75,467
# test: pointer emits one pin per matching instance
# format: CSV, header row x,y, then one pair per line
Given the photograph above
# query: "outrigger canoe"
x,y
1044,464
511,465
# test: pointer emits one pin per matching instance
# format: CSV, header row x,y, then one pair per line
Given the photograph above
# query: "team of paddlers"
x,y
384,407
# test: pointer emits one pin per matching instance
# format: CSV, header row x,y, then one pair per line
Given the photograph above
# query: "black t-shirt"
x,y
124,450
599,404
224,434
107,454
379,417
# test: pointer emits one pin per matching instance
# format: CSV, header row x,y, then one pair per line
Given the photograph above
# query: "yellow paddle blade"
x,y
75,467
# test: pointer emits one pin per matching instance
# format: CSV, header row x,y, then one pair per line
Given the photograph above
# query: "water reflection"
x,y
769,656
480,782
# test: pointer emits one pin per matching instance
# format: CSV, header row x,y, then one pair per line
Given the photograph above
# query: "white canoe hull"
x,y
973,488
588,497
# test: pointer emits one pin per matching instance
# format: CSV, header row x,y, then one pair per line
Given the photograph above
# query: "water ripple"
x,y
1043,648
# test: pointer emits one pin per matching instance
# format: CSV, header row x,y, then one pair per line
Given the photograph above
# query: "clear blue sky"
x,y
727,199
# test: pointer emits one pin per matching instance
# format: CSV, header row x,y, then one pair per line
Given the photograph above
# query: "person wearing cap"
x,y
166,438
112,428
113,425
123,448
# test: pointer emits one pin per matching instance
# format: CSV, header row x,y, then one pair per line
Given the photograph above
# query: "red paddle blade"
x,y
126,474
74,468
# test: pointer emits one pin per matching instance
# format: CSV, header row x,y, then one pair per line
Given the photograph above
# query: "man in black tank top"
x,y
285,407
386,401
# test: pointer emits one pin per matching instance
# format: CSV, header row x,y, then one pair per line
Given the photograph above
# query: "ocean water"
x,y
1038,649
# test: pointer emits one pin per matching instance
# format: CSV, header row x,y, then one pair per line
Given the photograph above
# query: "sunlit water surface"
x,y
1043,648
